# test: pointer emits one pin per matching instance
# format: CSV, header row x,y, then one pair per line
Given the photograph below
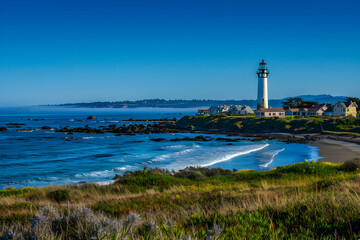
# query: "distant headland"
x,y
180,103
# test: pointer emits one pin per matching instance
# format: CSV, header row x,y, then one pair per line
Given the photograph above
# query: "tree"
x,y
353,99
297,102
291,102
307,104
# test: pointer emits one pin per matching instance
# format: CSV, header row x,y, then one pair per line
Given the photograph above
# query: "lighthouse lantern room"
x,y
262,72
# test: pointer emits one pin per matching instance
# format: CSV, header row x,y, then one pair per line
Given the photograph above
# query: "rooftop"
x,y
270,110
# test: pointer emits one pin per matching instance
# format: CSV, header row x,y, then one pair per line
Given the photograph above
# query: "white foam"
x,y
314,154
209,155
100,173
175,154
174,147
272,158
86,137
231,156
105,182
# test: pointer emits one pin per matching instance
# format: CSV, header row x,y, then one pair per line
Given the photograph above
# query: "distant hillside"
x,y
162,103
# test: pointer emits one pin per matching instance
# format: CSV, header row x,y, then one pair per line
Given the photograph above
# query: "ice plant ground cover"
x,y
309,200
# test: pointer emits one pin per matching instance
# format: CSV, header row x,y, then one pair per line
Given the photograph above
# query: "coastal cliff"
x,y
222,122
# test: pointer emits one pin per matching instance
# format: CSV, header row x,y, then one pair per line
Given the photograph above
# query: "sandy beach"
x,y
337,151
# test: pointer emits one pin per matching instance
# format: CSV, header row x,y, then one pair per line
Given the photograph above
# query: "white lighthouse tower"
x,y
262,72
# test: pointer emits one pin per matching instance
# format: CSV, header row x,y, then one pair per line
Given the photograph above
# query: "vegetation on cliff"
x,y
251,124
309,200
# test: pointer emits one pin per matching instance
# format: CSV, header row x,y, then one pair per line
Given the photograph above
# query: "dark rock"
x,y
91,117
3,129
15,124
45,128
158,139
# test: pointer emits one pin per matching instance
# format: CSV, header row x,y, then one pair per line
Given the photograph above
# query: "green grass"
x,y
292,125
13,192
343,133
308,200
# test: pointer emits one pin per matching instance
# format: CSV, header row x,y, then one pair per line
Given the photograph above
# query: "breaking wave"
x,y
100,173
272,158
207,156
175,154
231,156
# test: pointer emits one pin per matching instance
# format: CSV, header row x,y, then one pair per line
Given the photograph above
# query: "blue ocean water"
x,y
44,157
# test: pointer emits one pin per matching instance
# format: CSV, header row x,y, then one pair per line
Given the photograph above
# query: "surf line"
x,y
227,158
272,158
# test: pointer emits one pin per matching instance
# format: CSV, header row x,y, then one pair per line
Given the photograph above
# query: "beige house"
x,y
270,112
344,109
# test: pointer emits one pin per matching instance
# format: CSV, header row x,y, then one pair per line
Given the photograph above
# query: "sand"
x,y
337,151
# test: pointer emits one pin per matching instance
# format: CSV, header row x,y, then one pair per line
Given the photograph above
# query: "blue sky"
x,y
79,51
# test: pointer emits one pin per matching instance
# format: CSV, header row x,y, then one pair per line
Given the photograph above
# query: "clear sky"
x,y
57,51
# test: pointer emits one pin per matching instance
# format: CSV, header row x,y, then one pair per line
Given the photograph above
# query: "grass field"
x,y
290,124
309,200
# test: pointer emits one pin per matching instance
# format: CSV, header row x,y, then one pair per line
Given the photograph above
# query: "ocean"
x,y
38,158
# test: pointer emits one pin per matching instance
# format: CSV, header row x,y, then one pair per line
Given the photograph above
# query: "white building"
x,y
262,100
270,112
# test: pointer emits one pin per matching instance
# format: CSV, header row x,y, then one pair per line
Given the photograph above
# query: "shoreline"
x,y
336,151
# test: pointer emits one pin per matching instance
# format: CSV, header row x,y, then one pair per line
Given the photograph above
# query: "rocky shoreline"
x,y
170,126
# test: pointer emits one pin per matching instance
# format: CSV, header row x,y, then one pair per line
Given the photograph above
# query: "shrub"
x,y
351,165
196,175
59,195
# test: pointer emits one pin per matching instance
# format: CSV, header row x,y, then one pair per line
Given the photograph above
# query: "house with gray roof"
x,y
218,109
316,110
235,109
246,110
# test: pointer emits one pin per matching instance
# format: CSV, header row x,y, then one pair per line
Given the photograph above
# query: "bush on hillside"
x,y
59,195
352,165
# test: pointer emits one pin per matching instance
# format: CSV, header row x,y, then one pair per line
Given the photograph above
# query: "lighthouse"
x,y
262,72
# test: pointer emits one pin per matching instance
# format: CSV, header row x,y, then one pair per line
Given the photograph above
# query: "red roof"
x,y
263,63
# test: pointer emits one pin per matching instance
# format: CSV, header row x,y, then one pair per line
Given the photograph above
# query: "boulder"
x,y
15,124
91,117
3,129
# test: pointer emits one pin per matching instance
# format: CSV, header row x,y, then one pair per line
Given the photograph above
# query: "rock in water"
x,y
3,129
91,117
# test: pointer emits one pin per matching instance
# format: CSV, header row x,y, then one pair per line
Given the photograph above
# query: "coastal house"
x,y
329,111
218,109
316,110
303,112
235,109
203,112
270,112
246,110
238,109
344,109
293,112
